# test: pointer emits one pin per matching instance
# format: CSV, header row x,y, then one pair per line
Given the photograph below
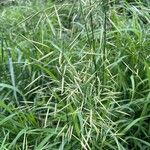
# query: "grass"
x,y
75,75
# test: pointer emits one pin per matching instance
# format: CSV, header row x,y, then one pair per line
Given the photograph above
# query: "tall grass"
x,y
75,75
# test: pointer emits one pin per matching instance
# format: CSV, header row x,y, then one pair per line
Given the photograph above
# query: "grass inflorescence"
x,y
75,75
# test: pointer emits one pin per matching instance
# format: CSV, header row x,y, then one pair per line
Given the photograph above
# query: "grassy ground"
x,y
75,75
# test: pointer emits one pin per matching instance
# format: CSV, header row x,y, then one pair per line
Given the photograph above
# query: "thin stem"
x,y
104,42
93,46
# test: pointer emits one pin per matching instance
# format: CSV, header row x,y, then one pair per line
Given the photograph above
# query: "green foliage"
x,y
75,75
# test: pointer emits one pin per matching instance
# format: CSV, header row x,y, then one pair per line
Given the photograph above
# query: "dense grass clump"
x,y
75,75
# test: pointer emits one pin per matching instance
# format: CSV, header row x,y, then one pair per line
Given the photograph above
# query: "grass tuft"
x,y
75,75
